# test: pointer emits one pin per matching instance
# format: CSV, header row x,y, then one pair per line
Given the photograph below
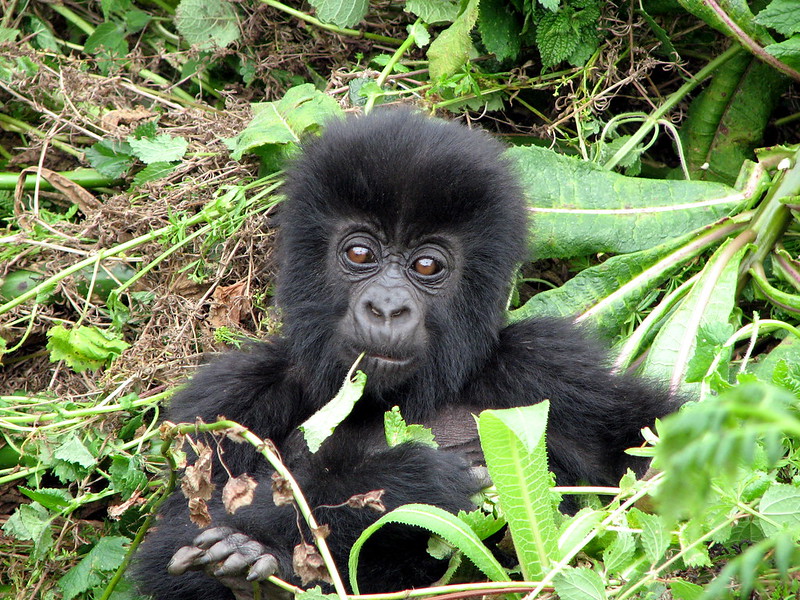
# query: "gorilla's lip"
x,y
395,360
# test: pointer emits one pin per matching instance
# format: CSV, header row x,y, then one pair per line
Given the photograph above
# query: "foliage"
x,y
139,166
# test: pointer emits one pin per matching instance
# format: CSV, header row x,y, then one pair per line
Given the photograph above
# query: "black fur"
x,y
409,178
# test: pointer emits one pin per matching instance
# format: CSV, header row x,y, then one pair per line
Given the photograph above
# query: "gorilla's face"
x,y
393,286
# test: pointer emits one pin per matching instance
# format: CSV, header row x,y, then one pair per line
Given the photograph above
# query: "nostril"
x,y
371,307
398,312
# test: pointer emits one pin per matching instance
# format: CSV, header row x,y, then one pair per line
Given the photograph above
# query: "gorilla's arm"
x,y
594,414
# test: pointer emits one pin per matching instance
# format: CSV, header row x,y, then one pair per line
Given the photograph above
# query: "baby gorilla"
x,y
399,238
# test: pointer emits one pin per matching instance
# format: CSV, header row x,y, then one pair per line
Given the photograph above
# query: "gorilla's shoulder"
x,y
549,339
234,381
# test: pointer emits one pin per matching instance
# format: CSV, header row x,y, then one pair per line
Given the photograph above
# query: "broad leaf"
x,y
513,442
579,208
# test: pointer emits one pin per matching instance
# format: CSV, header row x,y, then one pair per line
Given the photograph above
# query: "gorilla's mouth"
x,y
395,360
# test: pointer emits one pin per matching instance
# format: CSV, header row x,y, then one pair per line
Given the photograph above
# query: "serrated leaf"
x,y
111,158
579,583
399,432
781,15
579,208
319,426
72,450
302,110
451,49
84,348
342,13
483,524
162,148
442,523
555,38
152,172
513,442
207,23
52,498
31,522
618,554
655,536
780,507
421,38
107,555
433,11
787,51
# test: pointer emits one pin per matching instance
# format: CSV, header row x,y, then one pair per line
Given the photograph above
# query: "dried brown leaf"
x,y
372,500
198,512
308,564
238,492
196,482
281,490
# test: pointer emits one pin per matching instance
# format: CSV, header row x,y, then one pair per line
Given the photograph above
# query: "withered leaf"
x,y
281,490
196,482
308,564
198,512
322,531
371,500
238,492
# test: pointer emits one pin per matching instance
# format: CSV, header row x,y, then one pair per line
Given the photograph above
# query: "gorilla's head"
x,y
399,238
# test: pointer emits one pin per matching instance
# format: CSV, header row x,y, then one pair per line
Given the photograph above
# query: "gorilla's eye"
x,y
360,255
427,266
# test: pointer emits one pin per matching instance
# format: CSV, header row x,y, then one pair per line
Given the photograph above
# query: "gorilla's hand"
x,y
233,558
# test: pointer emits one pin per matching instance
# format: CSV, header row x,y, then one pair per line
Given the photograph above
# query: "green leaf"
x,y
162,148
655,536
72,450
84,348
513,442
728,118
574,530
111,158
442,523
711,300
434,11
152,172
781,15
51,498
398,432
31,522
107,555
342,13
127,474
500,29
483,524
555,38
787,52
580,583
207,23
618,554
683,590
450,51
276,124
579,208
779,508
107,39
319,426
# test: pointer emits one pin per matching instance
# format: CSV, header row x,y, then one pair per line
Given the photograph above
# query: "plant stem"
x,y
22,127
317,23
749,43
387,70
652,120
87,178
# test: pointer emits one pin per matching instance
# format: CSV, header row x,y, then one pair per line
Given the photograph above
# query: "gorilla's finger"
x,y
211,536
184,559
265,566
223,549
